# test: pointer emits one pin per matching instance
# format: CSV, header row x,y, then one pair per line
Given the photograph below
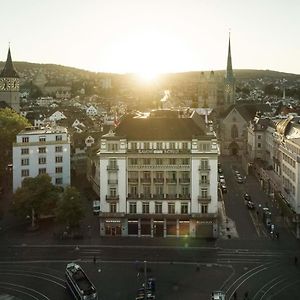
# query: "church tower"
x,y
229,82
9,84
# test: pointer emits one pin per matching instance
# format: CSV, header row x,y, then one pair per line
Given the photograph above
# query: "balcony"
x,y
158,196
184,197
112,168
204,199
112,197
112,181
145,180
158,180
132,196
204,168
204,182
171,180
184,180
171,196
133,180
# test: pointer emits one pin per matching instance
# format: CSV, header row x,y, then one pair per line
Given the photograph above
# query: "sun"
x,y
147,76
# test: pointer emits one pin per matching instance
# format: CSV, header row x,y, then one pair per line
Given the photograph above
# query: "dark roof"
x,y
159,129
248,111
9,70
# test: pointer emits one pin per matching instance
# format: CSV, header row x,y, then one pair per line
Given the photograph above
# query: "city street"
x,y
32,264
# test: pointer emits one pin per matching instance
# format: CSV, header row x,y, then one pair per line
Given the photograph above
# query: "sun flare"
x,y
147,76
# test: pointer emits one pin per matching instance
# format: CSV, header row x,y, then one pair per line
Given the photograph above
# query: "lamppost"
x,y
145,279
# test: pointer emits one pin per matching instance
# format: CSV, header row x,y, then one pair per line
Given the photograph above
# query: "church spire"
x,y
229,72
9,70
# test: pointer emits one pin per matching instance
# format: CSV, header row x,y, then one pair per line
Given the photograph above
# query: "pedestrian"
x,y
296,260
277,235
94,259
246,296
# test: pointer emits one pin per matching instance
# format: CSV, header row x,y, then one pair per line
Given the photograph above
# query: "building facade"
x,y
42,150
10,85
158,177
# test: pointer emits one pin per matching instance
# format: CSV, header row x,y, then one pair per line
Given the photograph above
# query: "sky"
x,y
153,36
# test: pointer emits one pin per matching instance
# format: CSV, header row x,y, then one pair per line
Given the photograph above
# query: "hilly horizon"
x,y
21,66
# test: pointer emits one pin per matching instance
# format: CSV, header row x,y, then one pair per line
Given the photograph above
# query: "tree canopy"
x,y
36,196
11,123
70,209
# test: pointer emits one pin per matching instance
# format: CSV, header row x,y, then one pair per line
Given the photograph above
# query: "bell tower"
x,y
229,81
10,84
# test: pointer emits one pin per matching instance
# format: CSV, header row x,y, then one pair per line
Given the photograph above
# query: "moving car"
x,y
240,179
247,197
250,204
218,295
223,188
96,207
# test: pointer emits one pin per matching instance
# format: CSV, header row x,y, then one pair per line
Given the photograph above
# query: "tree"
x,y
36,196
11,124
70,209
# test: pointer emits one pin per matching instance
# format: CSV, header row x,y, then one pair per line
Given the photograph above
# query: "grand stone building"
x,y
158,177
10,84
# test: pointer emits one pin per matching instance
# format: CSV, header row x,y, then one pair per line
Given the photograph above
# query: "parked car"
x,y
247,197
224,188
240,179
250,204
220,170
96,207
221,177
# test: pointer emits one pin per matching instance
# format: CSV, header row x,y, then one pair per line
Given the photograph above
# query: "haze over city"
x,y
152,37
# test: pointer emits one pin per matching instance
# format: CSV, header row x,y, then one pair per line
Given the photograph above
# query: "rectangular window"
x,y
145,207
25,173
147,161
113,192
186,161
147,175
185,190
203,193
146,146
113,207
42,171
259,137
172,161
159,145
112,163
172,146
159,175
258,145
204,209
25,139
159,190
159,161
133,146
133,190
204,164
58,159
42,160
184,146
42,138
42,150
58,137
58,170
184,208
25,151
132,207
147,190
171,208
58,149
133,161
58,180
158,207
25,161
112,147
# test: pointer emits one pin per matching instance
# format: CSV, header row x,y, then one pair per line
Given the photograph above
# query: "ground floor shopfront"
x,y
149,226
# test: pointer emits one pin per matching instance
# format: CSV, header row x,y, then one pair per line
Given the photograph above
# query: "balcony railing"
x,y
204,199
204,182
145,180
171,196
112,197
158,180
112,168
133,180
184,180
171,180
184,197
204,168
112,181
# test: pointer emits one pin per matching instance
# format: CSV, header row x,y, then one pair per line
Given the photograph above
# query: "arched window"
x,y
234,131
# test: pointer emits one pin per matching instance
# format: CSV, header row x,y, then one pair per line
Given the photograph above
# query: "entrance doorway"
x,y
112,230
158,228
234,148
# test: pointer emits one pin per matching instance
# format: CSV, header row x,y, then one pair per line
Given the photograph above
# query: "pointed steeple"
x,y
229,73
9,70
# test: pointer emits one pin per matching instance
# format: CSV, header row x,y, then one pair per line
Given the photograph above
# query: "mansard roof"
x,y
159,128
9,70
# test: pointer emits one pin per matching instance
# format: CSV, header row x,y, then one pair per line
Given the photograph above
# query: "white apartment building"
x,y
158,177
42,150
276,145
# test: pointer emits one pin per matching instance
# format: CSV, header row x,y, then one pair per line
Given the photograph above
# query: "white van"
x,y
96,207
